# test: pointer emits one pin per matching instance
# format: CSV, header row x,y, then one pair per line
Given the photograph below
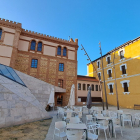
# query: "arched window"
x,y
39,47
59,50
79,86
33,44
0,33
84,86
64,51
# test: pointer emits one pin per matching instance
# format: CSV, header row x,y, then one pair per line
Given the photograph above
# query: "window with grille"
x,y
33,44
121,54
109,73
108,60
61,67
125,87
98,63
64,51
59,50
84,86
99,76
79,86
92,87
34,63
111,88
60,83
0,33
39,47
88,86
123,69
96,87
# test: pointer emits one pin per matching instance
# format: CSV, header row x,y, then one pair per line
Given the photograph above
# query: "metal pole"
x,y
103,76
93,71
115,82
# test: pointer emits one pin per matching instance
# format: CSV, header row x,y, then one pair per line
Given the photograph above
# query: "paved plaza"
x,y
128,132
43,130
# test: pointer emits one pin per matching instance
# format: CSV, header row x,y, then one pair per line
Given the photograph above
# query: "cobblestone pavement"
x,y
30,131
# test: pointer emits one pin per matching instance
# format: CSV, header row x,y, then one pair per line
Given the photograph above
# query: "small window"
x,y
34,63
108,60
88,86
98,63
33,44
111,88
60,83
79,86
99,76
84,86
99,88
121,54
0,33
61,67
39,47
96,87
92,87
64,51
59,50
123,69
125,87
109,73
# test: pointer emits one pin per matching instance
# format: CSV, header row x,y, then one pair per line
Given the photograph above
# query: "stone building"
x,y
47,58
127,70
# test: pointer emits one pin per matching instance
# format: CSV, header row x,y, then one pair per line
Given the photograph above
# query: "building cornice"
x,y
45,37
119,47
28,33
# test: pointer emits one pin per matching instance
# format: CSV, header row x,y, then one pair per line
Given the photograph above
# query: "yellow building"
x,y
127,69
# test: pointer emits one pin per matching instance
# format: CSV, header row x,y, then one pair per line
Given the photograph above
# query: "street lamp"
x,y
93,71
115,81
103,75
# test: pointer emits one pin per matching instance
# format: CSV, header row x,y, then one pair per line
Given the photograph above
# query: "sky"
x,y
112,22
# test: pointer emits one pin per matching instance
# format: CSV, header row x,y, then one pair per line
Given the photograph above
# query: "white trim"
x,y
120,62
99,64
108,70
125,81
111,93
121,50
110,78
126,93
100,73
108,56
124,75
122,59
110,84
123,65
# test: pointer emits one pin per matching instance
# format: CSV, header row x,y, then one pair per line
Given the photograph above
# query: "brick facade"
x,y
48,60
